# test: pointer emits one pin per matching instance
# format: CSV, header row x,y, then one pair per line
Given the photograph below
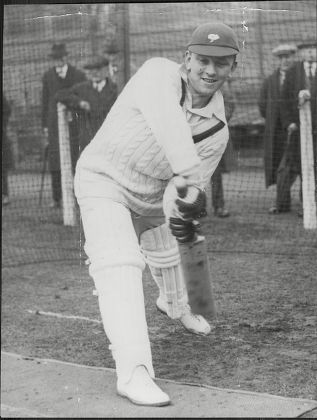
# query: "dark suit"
x,y
89,122
274,133
51,84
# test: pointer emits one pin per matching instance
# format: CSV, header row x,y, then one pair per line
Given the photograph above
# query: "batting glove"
x,y
183,230
192,204
183,203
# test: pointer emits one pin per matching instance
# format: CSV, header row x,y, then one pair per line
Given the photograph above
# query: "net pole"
x,y
307,162
69,209
126,41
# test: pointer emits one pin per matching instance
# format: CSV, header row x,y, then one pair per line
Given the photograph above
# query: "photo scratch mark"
x,y
251,9
57,315
59,16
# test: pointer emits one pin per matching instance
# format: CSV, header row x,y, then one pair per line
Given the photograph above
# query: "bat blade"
x,y
197,275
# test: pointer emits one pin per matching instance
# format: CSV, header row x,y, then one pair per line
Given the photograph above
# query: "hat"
x,y
284,49
214,39
58,51
97,63
111,48
311,43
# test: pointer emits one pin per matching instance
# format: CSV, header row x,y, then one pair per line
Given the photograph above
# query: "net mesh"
x,y
32,231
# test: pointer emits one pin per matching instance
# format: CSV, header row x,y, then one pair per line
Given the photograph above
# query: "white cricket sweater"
x,y
147,138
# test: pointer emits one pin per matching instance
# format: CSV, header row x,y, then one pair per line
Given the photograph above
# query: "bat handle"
x,y
181,186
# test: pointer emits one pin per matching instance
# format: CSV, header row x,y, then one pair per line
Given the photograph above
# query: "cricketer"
x,y
169,120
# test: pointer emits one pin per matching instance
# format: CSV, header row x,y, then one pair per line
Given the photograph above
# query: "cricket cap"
x,y
284,49
214,39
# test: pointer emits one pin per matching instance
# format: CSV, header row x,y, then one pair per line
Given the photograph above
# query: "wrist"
x,y
194,179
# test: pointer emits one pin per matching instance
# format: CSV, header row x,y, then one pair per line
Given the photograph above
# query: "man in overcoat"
x,y
60,76
91,99
276,157
111,53
302,76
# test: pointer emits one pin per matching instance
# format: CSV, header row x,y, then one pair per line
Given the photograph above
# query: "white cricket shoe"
x,y
193,323
142,390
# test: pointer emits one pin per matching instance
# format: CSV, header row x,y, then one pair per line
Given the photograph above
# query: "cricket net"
x,y
32,231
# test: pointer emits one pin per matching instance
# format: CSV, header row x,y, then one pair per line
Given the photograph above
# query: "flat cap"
x,y
284,49
214,39
310,43
111,48
97,63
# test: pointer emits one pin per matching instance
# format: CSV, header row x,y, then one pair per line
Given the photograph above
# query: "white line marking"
x,y
8,409
309,402
57,315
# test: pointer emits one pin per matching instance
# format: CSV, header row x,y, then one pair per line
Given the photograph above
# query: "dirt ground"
x,y
264,337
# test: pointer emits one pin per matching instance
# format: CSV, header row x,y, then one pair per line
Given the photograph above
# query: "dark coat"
x,y
274,135
89,122
51,84
296,81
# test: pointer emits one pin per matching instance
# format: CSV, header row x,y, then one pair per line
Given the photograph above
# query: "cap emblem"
x,y
213,37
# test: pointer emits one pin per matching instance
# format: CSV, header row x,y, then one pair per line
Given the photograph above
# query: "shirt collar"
x,y
100,84
214,107
308,65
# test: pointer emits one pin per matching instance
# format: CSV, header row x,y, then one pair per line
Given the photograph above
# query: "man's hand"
x,y
292,128
84,105
303,96
182,204
45,136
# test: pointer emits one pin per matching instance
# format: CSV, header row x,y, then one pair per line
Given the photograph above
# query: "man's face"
x,y
308,54
286,61
59,62
207,74
96,75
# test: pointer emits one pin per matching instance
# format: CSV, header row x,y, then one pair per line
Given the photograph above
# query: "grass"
x,y
264,276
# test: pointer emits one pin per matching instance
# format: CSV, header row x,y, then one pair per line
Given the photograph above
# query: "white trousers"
x,y
116,266
112,236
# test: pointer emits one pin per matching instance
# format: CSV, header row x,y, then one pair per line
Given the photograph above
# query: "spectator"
x,y
226,161
60,76
91,99
217,191
6,150
111,52
277,163
302,76
169,119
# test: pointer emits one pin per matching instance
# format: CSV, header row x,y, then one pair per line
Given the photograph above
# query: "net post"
x,y
69,208
307,162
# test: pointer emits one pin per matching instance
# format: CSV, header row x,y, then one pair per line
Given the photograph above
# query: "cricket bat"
x,y
195,267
